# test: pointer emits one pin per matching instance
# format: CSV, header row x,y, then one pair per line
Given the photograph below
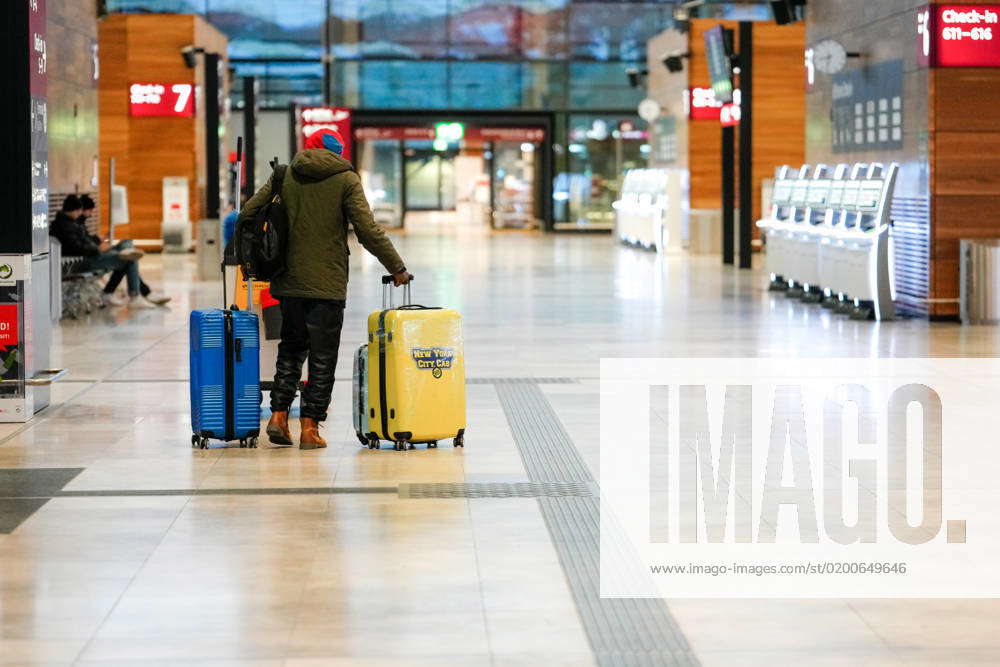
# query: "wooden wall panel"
x,y
147,48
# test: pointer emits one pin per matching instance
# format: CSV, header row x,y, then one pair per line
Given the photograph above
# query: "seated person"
x,y
109,299
97,254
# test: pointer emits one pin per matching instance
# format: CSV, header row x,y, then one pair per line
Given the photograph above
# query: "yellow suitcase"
x,y
416,374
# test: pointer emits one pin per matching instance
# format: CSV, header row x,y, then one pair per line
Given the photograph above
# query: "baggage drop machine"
x,y
770,226
830,245
868,243
811,234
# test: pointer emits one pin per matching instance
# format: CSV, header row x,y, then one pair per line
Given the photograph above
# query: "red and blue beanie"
x,y
327,138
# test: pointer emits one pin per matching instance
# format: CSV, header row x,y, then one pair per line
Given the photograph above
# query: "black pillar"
x,y
327,57
212,119
25,229
728,193
250,134
746,143
293,130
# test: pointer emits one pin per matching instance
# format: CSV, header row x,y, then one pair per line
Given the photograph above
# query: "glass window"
x,y
401,84
169,6
282,83
602,86
266,29
615,30
405,28
598,157
486,85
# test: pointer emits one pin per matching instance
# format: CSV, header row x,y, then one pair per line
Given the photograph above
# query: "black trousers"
x,y
310,328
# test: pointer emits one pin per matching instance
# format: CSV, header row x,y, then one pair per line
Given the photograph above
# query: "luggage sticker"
x,y
435,359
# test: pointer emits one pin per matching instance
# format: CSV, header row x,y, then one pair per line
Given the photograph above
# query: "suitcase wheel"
x,y
432,445
404,445
363,440
195,440
252,442
373,443
459,441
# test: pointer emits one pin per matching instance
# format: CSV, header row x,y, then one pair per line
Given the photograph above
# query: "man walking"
x,y
322,194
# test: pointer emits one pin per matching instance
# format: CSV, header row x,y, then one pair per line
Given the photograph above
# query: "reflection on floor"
x,y
136,548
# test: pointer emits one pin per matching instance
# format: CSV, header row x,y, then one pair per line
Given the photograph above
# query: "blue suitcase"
x,y
225,377
225,366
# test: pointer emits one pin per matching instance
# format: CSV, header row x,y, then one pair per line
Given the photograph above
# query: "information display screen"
x,y
837,194
819,193
800,193
869,195
720,68
851,190
782,192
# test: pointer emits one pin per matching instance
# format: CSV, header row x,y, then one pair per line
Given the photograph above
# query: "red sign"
x,y
161,99
529,135
730,115
959,35
312,119
703,105
397,133
9,336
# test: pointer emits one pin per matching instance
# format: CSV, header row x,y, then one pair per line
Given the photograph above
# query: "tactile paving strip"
x,y
628,632
521,381
496,490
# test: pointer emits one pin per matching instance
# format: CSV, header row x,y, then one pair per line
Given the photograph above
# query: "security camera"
x,y
190,55
635,76
674,62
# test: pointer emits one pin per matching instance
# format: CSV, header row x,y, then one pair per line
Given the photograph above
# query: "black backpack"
x,y
261,241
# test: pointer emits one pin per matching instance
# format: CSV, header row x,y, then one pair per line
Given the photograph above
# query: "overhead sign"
x,y
959,36
703,105
397,133
161,99
730,115
311,119
519,134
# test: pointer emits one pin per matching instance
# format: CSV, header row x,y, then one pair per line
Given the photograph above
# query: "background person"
x,y
108,297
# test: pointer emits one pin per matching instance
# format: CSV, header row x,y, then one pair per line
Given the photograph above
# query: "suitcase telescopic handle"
x,y
387,284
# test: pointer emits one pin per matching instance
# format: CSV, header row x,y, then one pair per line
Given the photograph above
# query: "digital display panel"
x,y
800,193
782,192
851,195
819,193
869,195
720,68
837,194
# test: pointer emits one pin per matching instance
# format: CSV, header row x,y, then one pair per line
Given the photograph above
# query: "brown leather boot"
x,y
277,430
311,438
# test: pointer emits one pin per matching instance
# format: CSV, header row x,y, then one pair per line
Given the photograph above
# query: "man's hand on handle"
x,y
402,278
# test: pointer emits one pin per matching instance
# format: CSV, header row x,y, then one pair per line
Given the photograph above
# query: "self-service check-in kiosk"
x,y
829,239
788,208
652,210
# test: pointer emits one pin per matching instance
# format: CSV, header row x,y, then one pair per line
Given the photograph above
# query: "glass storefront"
x,y
564,57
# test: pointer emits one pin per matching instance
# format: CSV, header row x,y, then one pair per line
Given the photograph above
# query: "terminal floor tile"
x,y
122,545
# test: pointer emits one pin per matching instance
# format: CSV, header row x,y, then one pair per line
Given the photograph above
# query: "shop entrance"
x,y
456,173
